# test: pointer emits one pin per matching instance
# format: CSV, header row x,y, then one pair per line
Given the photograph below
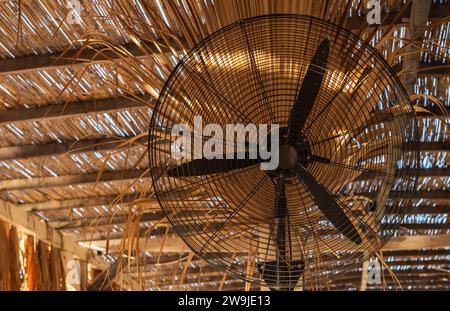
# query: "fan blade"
x,y
199,167
308,92
320,159
329,207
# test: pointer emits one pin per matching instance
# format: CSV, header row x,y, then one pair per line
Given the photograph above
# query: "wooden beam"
x,y
68,180
53,61
232,285
200,267
424,69
102,144
172,243
329,259
409,278
331,231
89,202
438,209
426,273
416,253
58,111
433,262
88,55
191,279
155,214
440,226
107,200
26,152
433,70
107,220
144,234
411,287
429,146
107,176
423,194
432,172
404,280
55,205
176,244
429,172
434,195
412,242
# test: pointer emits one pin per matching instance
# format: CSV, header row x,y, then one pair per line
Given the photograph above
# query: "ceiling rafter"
x,y
58,111
53,61
72,180
176,244
26,152
133,174
55,205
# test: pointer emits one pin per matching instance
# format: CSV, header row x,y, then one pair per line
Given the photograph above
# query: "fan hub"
x,y
291,154
304,151
288,156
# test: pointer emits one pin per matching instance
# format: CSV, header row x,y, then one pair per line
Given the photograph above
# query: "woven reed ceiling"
x,y
76,101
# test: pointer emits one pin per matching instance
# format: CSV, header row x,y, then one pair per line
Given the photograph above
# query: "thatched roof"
x,y
76,102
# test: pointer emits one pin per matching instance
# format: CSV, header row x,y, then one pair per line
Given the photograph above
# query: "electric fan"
x,y
344,124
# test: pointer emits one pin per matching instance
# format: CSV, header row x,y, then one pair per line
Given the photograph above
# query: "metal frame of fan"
x,y
345,121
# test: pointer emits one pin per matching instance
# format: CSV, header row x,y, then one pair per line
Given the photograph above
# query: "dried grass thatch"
x,y
4,258
129,51
14,267
9,258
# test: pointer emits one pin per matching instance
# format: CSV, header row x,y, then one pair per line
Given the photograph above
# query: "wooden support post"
x,y
365,270
420,12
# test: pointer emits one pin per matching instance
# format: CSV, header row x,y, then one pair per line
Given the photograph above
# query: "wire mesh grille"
x,y
250,72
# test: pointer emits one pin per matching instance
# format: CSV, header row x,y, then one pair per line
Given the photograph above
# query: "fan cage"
x,y
250,72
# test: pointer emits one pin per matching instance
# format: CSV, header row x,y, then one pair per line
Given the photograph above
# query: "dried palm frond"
x,y
31,271
4,258
43,264
392,274
14,269
57,273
